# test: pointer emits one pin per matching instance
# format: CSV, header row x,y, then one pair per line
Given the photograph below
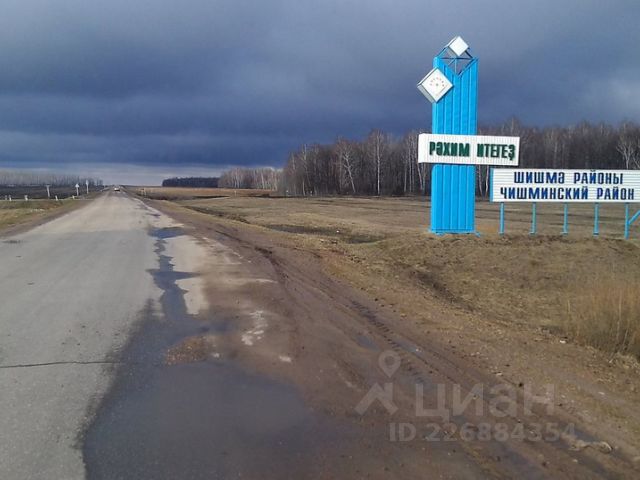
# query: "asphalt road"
x,y
90,304
70,292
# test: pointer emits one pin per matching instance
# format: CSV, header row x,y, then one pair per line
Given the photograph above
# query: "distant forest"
x,y
194,182
27,179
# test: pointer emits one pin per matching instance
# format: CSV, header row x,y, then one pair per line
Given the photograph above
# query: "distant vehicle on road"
x,y
116,189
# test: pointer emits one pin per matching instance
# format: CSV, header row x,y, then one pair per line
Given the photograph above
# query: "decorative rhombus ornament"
x,y
435,85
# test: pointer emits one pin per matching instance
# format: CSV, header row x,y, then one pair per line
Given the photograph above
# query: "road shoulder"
x,y
328,317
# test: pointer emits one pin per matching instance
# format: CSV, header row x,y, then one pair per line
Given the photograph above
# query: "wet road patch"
x,y
197,416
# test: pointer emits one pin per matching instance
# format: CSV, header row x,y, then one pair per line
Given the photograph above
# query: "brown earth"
x,y
317,290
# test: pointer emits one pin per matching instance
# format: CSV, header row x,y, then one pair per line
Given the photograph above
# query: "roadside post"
x,y
86,182
534,219
48,192
453,146
565,220
77,190
629,221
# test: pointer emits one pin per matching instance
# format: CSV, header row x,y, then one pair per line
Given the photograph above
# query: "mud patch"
x,y
342,234
218,213
193,349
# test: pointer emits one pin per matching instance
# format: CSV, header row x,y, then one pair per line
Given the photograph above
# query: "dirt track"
x,y
297,323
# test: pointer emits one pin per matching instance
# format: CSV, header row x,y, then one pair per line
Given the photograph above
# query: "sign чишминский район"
x,y
547,185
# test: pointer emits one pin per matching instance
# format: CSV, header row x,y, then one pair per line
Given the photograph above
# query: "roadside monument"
x,y
453,146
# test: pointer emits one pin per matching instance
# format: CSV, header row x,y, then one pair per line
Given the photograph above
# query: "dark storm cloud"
x,y
202,84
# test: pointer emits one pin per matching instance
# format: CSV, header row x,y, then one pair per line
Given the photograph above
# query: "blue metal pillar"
x,y
596,220
565,223
501,218
534,219
626,221
629,221
453,187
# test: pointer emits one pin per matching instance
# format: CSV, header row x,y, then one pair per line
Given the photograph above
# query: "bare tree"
x,y
378,144
629,146
345,153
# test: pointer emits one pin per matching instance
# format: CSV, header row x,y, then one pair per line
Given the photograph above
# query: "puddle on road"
x,y
198,420
169,232
202,420
366,342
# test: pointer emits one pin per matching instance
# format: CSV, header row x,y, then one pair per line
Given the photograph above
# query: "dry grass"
x,y
605,314
15,213
393,216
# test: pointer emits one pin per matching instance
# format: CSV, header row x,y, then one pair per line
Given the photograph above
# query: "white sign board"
x,y
468,149
546,185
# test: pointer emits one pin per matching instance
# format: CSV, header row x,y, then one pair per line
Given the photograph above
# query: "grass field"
x,y
16,213
579,287
181,193
393,216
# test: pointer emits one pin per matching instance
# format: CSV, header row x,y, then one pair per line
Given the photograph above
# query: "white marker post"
x,y
86,182
77,190
48,192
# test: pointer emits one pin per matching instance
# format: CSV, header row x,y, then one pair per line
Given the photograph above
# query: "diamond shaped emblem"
x,y
457,46
435,85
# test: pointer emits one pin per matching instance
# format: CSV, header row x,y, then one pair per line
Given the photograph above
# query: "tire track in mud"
x,y
413,359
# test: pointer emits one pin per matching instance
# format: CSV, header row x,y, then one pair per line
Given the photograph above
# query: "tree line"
x,y
32,179
266,178
381,164
193,182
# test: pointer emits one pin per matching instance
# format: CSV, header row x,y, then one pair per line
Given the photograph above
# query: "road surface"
x,y
95,381
70,292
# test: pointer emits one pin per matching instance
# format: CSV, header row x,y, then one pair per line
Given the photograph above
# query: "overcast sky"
x,y
137,90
